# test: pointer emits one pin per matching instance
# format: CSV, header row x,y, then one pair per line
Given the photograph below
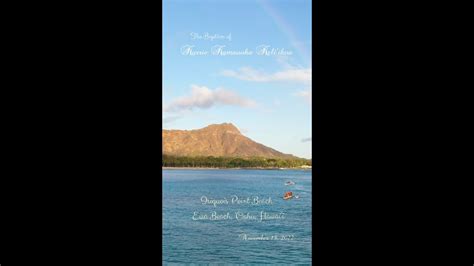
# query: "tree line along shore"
x,y
233,162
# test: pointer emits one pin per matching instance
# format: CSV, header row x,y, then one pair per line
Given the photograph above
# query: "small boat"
x,y
289,183
288,195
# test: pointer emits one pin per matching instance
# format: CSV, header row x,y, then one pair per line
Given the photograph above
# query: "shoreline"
x,y
229,168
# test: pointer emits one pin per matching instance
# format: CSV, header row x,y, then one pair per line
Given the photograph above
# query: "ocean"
x,y
231,217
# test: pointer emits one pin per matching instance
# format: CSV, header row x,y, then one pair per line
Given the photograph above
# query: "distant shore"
x,y
235,168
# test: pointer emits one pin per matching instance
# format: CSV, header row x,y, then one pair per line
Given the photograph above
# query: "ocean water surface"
x,y
227,228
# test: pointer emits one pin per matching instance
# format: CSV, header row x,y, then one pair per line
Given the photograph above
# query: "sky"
x,y
244,62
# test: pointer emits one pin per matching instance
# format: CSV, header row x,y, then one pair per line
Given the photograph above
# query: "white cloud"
x,y
204,98
301,75
293,74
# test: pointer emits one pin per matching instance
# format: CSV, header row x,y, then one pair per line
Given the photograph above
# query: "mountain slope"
x,y
222,140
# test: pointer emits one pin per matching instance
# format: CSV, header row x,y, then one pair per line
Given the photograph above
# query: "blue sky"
x,y
209,79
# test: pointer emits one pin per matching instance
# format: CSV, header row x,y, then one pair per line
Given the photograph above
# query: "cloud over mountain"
x,y
204,98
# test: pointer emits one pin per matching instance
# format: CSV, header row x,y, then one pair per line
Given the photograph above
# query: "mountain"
x,y
218,140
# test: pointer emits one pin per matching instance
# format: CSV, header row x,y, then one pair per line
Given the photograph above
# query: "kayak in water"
x,y
288,195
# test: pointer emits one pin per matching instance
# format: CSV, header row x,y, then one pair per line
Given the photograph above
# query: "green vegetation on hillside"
x,y
229,162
